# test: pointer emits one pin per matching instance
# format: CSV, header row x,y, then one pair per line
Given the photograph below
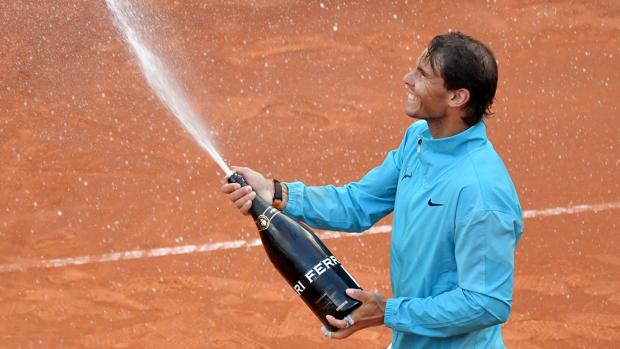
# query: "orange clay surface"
x,y
91,163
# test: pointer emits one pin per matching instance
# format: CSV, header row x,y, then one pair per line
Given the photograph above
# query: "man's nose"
x,y
409,79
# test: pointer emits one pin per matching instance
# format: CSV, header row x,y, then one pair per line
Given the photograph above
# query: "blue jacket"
x,y
456,224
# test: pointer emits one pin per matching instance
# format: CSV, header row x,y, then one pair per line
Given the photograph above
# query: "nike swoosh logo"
x,y
431,203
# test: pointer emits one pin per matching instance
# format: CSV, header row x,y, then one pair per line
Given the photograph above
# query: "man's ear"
x,y
458,98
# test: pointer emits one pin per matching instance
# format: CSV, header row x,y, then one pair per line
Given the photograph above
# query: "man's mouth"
x,y
411,98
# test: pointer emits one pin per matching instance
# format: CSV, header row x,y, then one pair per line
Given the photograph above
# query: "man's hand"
x,y
242,197
369,314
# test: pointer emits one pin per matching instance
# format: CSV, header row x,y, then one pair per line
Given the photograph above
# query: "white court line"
x,y
237,244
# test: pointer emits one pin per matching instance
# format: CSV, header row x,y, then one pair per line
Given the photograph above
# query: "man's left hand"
x,y
369,314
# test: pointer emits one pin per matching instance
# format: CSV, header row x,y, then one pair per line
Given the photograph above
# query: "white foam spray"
x,y
161,80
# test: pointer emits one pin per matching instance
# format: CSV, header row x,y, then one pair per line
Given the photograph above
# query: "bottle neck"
x,y
259,206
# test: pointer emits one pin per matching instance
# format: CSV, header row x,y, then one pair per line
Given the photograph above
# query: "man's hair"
x,y
464,62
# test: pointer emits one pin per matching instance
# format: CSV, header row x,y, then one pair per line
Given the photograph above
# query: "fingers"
x,y
245,203
340,334
239,193
326,333
236,193
228,188
371,313
349,321
340,324
245,208
358,294
240,196
257,185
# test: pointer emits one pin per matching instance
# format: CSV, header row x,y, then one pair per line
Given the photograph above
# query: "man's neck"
x,y
446,126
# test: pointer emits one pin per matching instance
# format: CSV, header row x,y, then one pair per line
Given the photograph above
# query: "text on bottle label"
x,y
314,273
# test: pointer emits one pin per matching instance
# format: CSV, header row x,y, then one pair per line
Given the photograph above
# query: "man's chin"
x,y
413,114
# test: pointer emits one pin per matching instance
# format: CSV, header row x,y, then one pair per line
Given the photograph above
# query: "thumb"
x,y
247,174
239,169
358,294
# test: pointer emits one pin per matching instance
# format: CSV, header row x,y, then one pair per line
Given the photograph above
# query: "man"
x,y
457,218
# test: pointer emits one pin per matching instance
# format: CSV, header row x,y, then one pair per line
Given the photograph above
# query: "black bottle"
x,y
303,260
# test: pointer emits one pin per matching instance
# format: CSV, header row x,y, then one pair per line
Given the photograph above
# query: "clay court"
x,y
113,232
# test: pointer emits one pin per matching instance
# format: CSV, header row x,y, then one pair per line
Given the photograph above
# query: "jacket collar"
x,y
457,145
437,155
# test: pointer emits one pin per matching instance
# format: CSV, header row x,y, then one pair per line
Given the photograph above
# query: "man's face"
x,y
427,98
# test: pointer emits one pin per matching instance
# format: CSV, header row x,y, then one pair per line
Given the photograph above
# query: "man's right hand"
x,y
257,185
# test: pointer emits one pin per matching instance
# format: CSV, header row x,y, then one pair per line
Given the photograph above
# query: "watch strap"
x,y
277,192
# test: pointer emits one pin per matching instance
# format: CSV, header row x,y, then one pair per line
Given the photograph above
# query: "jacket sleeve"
x,y
356,206
353,207
485,241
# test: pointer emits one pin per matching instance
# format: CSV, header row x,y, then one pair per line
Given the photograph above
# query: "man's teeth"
x,y
411,97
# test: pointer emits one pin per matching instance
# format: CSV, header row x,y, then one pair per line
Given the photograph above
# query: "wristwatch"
x,y
277,194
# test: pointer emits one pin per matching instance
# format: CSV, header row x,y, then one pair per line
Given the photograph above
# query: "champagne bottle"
x,y
303,260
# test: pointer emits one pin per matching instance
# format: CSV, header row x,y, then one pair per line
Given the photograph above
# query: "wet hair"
x,y
464,62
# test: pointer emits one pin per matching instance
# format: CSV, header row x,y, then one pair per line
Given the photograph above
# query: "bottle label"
x,y
314,273
263,221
